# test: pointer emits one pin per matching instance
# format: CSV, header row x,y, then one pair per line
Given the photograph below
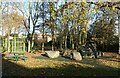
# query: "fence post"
x,y
15,43
12,45
8,44
23,44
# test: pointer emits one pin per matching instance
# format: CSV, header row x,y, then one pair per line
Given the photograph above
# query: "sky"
x,y
25,9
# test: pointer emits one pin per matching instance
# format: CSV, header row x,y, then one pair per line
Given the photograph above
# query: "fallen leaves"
x,y
56,67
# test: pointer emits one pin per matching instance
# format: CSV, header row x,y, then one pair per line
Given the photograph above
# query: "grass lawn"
x,y
37,65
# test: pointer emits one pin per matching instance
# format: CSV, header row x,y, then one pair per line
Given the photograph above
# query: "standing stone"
x,y
52,54
77,56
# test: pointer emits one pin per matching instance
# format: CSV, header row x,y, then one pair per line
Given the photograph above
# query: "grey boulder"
x,y
77,56
52,54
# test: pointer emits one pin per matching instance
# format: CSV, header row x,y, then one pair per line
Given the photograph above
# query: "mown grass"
x,y
52,67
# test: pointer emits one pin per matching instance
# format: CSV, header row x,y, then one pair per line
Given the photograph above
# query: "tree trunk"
x,y
3,43
61,46
73,46
66,34
70,40
6,43
119,28
43,29
32,42
43,47
60,40
52,30
23,46
43,41
28,42
28,36
29,46
66,42
78,37
0,41
52,42
72,36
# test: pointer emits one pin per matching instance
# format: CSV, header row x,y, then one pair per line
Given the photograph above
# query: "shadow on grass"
x,y
14,70
111,58
96,64
60,58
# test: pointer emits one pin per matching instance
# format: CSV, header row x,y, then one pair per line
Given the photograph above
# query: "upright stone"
x,y
77,56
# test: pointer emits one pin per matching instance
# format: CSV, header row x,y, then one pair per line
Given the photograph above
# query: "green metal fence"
x,y
13,43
